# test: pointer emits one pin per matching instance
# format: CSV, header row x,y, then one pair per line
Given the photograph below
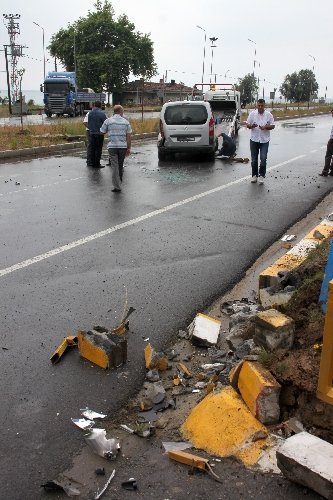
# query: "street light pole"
x,y
254,59
212,41
41,27
204,57
314,60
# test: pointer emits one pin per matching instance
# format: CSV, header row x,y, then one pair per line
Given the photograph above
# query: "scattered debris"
x,y
193,461
91,414
131,484
99,495
176,445
127,429
102,348
146,404
106,448
213,366
147,416
318,235
100,471
183,370
62,485
294,425
153,376
17,183
158,392
154,359
82,423
123,327
257,436
144,429
288,237
67,342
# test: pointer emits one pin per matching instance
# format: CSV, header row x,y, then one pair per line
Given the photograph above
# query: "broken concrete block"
x,y
239,333
270,296
260,391
102,348
308,460
205,330
156,360
234,374
274,330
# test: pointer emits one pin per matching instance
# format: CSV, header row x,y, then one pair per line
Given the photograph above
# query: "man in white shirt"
x,y
119,131
328,167
260,122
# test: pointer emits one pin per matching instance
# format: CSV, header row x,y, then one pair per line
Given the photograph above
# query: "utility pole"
x,y
8,84
13,29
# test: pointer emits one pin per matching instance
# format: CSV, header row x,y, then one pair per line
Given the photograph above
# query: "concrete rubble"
x,y
105,349
204,330
273,330
308,460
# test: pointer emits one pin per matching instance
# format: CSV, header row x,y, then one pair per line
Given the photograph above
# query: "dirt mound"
x,y
297,370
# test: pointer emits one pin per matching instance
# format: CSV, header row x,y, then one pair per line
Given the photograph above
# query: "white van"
x,y
187,127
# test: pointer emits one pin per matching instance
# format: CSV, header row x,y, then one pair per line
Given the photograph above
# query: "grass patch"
x,y
266,358
11,137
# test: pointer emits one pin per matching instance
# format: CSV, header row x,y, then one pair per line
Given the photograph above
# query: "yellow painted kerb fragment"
x,y
222,425
253,379
274,318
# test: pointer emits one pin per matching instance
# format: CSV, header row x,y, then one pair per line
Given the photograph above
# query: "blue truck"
x,y
63,97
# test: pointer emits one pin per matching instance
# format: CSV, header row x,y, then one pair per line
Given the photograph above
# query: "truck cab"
x,y
226,107
59,93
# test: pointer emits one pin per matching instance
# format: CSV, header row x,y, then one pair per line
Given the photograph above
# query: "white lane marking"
x,y
314,151
42,186
132,222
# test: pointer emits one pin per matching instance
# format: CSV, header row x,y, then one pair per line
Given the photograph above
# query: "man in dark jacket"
x,y
96,118
228,147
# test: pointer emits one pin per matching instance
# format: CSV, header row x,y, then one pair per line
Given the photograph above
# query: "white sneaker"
x,y
261,179
254,179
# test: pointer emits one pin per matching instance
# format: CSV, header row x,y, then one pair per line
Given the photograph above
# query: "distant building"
x,y
153,93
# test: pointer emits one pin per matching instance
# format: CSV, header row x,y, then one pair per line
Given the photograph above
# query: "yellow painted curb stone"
x,y
222,425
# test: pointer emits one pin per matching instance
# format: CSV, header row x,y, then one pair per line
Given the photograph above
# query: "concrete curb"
x,y
296,255
59,148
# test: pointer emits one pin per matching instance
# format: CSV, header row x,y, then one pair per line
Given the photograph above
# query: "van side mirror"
x,y
41,87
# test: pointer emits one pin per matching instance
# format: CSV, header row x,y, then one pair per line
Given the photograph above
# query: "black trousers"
x,y
329,157
94,149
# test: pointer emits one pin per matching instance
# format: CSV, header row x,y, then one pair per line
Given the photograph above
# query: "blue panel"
x,y
328,277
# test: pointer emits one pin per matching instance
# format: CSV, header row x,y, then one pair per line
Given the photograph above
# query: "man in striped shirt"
x,y
119,133
328,167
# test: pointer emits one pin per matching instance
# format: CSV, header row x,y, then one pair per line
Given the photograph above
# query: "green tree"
x,y
247,87
299,86
107,49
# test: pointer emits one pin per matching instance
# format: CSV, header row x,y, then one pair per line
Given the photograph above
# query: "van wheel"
x,y
161,155
210,156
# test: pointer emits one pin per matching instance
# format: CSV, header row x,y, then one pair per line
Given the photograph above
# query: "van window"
x,y
183,114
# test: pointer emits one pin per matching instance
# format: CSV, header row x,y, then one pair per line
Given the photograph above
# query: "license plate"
x,y
185,139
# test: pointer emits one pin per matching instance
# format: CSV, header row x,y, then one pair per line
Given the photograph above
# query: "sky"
x,y
287,36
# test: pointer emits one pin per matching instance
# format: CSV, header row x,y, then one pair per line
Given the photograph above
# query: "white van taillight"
x,y
211,127
161,129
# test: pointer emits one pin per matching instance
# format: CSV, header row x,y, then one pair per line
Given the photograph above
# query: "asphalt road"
x,y
179,235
